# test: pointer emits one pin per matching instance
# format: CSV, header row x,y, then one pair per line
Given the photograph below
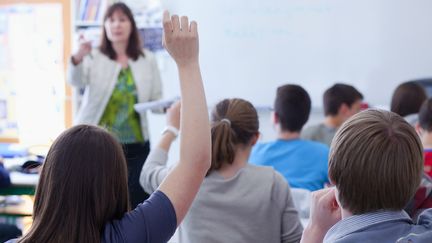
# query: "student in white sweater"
x,y
237,202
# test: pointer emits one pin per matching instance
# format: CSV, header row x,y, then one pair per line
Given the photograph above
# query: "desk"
x,y
18,214
22,209
21,184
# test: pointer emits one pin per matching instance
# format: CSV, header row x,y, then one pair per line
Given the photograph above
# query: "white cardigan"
x,y
98,75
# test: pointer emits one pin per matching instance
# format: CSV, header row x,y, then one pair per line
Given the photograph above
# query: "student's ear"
x,y
275,118
418,129
344,110
255,138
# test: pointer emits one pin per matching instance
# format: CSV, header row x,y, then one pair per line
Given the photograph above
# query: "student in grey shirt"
x,y
237,202
340,101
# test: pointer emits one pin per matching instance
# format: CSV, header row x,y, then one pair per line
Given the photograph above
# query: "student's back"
x,y
376,166
237,202
249,207
303,163
383,227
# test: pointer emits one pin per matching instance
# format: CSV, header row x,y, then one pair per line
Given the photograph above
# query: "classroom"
x,y
215,121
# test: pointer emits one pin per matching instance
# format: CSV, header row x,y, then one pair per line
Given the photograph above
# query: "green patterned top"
x,y
119,116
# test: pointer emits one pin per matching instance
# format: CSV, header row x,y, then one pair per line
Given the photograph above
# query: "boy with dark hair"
x,y
340,101
302,163
376,164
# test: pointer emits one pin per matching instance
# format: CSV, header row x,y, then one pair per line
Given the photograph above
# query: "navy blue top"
x,y
152,221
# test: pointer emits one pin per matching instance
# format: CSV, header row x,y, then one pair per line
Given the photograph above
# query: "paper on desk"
x,y
152,105
158,104
23,179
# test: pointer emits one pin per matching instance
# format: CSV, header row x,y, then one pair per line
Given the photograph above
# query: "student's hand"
x,y
180,39
325,212
173,115
84,49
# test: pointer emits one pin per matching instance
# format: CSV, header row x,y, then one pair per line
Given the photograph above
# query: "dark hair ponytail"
x,y
234,122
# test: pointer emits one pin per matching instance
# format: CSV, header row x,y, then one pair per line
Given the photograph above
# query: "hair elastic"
x,y
226,120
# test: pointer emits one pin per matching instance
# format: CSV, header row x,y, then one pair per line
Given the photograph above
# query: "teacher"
x,y
114,77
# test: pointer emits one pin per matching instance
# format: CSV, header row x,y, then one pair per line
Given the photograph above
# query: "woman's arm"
x,y
76,73
183,182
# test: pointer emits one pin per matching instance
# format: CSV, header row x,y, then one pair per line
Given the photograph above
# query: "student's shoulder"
x,y
312,131
267,173
274,180
315,146
265,145
423,235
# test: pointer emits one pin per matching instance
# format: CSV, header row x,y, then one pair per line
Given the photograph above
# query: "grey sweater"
x,y
255,205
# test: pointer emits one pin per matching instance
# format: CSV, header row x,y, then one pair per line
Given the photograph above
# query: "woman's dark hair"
x,y
408,98
234,122
82,186
134,48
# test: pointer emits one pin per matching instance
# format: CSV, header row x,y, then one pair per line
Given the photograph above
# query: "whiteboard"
x,y
248,47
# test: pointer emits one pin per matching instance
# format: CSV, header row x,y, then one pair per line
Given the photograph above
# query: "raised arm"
x,y
183,182
155,168
76,73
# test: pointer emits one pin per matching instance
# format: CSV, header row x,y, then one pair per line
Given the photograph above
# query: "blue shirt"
x,y
304,164
383,227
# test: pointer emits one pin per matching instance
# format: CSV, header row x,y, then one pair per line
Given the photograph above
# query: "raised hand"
x,y
83,50
181,39
173,115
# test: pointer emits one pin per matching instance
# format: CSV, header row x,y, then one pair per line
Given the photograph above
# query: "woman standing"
x,y
116,76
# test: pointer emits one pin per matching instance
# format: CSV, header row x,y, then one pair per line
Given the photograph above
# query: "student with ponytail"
x,y
237,202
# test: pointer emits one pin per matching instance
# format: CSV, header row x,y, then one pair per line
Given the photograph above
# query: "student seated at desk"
x,y
376,164
82,195
303,163
237,202
340,102
407,100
